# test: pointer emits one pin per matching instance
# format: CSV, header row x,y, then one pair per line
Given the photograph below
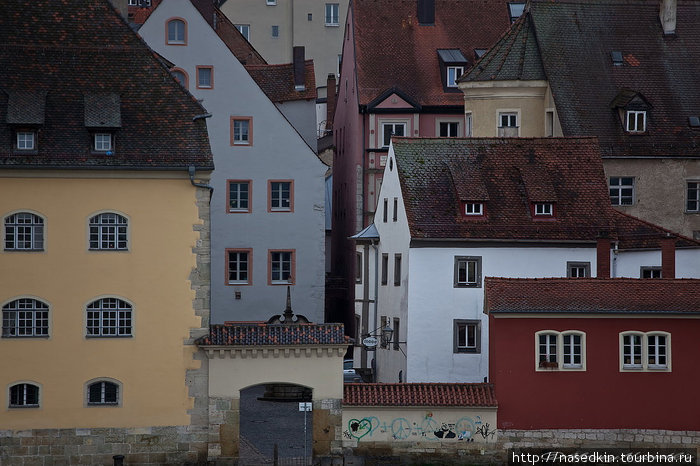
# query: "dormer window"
x,y
474,209
636,121
543,209
25,140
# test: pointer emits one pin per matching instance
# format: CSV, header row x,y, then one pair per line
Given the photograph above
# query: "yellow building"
x,y
104,271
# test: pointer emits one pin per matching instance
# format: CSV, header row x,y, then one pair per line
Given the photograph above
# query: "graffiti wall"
x,y
422,424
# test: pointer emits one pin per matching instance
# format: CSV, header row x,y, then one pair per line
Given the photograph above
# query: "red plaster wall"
x,y
601,397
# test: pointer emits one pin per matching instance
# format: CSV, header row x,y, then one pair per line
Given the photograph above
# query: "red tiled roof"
x,y
274,334
277,81
591,295
70,50
420,394
393,50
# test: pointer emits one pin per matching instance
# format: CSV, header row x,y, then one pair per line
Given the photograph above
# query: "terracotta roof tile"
x,y
274,334
591,295
394,51
420,394
70,49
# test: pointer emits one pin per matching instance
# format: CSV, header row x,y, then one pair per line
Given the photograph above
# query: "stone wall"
x,y
140,446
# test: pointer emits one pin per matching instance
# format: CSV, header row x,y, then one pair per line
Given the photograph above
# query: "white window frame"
x,y
102,142
332,14
24,231
472,278
241,265
692,191
26,140
25,318
108,231
453,73
645,352
632,121
109,317
394,125
461,332
620,189
244,29
555,340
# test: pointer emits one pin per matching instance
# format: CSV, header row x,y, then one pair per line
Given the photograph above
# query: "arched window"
x,y
108,231
177,32
24,395
103,393
24,231
109,317
25,317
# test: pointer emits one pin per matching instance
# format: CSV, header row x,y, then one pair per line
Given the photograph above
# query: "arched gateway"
x,y
285,350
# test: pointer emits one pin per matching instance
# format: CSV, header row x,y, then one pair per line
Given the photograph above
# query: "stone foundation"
x,y
140,446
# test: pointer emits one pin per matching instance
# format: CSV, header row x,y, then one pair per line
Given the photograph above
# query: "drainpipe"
x,y
191,170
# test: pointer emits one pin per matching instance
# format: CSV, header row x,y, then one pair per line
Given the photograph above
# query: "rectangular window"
x,y
103,142
281,267
25,140
636,121
239,195
275,31
281,194
241,131
332,14
453,73
205,77
473,208
397,269
385,269
578,269
621,190
449,129
392,129
397,332
467,272
467,336
238,266
358,267
244,29
649,272
396,209
693,193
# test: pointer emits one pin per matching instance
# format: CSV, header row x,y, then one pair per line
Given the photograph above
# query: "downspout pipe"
x,y
192,170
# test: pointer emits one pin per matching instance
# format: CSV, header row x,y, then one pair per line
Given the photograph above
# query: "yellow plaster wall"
x,y
152,276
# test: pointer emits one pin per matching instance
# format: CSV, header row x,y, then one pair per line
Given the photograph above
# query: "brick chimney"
x,y
299,68
330,101
667,15
603,257
668,257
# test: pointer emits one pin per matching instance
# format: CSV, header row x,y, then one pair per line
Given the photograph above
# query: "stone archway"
x,y
245,355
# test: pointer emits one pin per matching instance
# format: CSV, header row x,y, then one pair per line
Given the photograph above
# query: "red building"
x,y
595,353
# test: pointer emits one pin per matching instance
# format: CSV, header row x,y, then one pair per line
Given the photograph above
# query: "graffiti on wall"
x,y
464,429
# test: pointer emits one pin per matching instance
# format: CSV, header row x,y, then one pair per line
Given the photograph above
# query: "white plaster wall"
x,y
277,152
434,302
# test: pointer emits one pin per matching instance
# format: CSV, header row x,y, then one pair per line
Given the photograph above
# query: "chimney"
x,y
330,101
603,257
426,12
668,257
667,15
299,69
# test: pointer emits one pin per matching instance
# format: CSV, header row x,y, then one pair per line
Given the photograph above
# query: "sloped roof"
x,y
73,48
573,41
277,81
591,295
514,172
420,394
274,335
393,50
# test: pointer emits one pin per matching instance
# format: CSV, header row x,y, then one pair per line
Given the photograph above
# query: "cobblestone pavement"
x,y
266,423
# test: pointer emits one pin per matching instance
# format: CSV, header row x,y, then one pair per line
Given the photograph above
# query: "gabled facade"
x,y
268,202
563,344
400,63
632,86
453,211
103,270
